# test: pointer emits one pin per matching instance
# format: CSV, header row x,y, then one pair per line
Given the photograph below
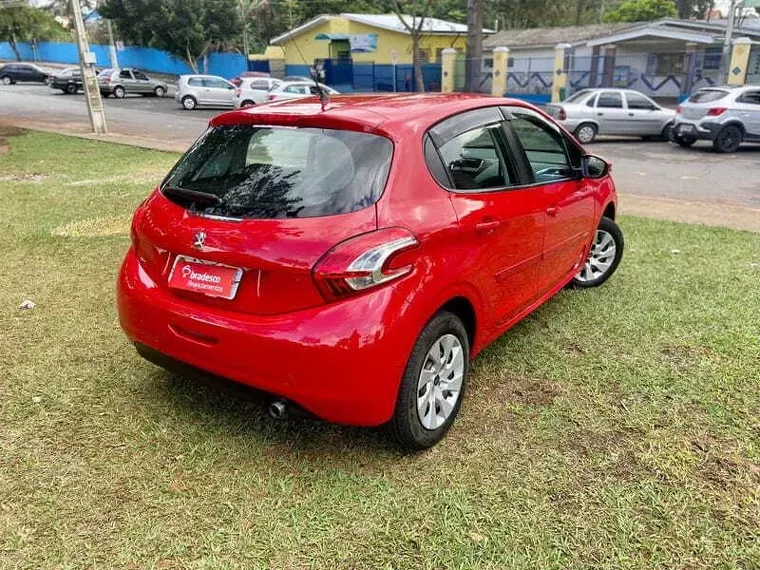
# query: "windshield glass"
x,y
279,172
707,96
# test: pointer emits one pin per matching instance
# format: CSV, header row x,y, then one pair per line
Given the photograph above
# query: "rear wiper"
x,y
195,196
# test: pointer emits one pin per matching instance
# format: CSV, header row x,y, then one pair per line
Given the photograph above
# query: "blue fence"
x,y
148,59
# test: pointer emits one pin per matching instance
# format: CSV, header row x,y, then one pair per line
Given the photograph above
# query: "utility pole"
x,y
725,60
474,61
111,46
89,80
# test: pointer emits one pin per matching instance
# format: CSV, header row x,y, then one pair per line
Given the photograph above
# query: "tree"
x,y
20,22
187,29
413,19
474,63
642,11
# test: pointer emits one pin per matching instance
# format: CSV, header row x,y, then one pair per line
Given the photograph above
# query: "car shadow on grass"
x,y
240,409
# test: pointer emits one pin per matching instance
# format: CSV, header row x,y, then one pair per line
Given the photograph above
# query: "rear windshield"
x,y
707,96
105,72
577,96
279,172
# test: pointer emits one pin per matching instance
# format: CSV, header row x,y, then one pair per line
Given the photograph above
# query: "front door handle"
x,y
631,115
552,211
487,227
600,114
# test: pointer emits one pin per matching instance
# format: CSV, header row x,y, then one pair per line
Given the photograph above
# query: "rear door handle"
x,y
552,211
487,227
600,114
631,115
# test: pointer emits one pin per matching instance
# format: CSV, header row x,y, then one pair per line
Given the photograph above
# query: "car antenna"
x,y
324,98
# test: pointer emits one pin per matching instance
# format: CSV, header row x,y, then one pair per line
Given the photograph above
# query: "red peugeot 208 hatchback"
x,y
351,258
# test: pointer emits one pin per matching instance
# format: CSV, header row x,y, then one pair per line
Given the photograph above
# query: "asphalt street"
x,y
645,169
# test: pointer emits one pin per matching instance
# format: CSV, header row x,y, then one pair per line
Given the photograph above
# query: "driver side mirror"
x,y
595,167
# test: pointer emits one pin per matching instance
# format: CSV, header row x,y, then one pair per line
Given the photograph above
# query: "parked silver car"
x,y
590,112
254,90
204,90
298,90
119,82
727,115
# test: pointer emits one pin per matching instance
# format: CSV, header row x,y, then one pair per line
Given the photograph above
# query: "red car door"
x,y
568,199
502,223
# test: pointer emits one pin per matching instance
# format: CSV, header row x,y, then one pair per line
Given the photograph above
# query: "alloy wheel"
x,y
440,381
586,134
6,80
600,259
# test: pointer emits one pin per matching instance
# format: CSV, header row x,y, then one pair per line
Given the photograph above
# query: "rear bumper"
x,y
341,361
700,130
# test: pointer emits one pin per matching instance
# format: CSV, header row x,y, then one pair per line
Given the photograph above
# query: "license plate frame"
x,y
203,287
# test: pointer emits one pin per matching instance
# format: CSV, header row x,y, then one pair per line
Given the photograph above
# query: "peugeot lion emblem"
x,y
200,239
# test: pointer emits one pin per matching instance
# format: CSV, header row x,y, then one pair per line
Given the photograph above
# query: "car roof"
x,y
395,112
188,75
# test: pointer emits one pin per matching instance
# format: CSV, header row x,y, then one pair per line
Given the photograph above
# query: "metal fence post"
x,y
448,65
500,70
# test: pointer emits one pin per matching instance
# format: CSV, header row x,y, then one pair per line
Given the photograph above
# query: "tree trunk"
x,y
419,80
14,46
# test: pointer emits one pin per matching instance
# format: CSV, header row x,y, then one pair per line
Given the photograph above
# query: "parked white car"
x,y
254,90
204,90
612,111
298,90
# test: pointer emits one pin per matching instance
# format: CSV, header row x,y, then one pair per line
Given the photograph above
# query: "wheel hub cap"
x,y
440,382
600,258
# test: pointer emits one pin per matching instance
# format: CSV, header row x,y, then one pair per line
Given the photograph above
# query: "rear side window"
x,y
124,74
195,82
707,96
270,172
751,97
474,162
260,85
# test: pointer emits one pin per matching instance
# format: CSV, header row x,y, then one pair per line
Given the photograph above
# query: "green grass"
x,y
615,428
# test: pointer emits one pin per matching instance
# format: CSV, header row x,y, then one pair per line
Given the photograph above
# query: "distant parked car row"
x,y
193,91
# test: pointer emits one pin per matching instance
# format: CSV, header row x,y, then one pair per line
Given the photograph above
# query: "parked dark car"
x,y
68,80
13,72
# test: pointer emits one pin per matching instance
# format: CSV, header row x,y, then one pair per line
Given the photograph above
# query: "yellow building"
x,y
381,38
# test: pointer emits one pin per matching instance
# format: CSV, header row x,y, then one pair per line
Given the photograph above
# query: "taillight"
x,y
716,111
562,114
678,110
363,262
238,91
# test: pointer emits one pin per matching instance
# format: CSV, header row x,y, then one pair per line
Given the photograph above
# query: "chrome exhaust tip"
x,y
278,409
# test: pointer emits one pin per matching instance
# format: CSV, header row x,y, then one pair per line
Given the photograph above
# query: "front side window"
x,y
474,160
610,100
270,172
545,148
141,76
215,83
636,101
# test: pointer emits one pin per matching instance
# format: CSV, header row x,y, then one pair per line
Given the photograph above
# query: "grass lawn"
x,y
615,428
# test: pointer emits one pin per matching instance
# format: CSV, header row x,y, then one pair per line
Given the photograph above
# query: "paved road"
x,y
644,169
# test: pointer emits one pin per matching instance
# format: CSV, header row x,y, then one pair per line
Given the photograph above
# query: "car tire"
x,y
189,103
667,133
685,142
247,103
119,92
728,139
440,359
159,91
586,132
7,80
603,258
71,89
